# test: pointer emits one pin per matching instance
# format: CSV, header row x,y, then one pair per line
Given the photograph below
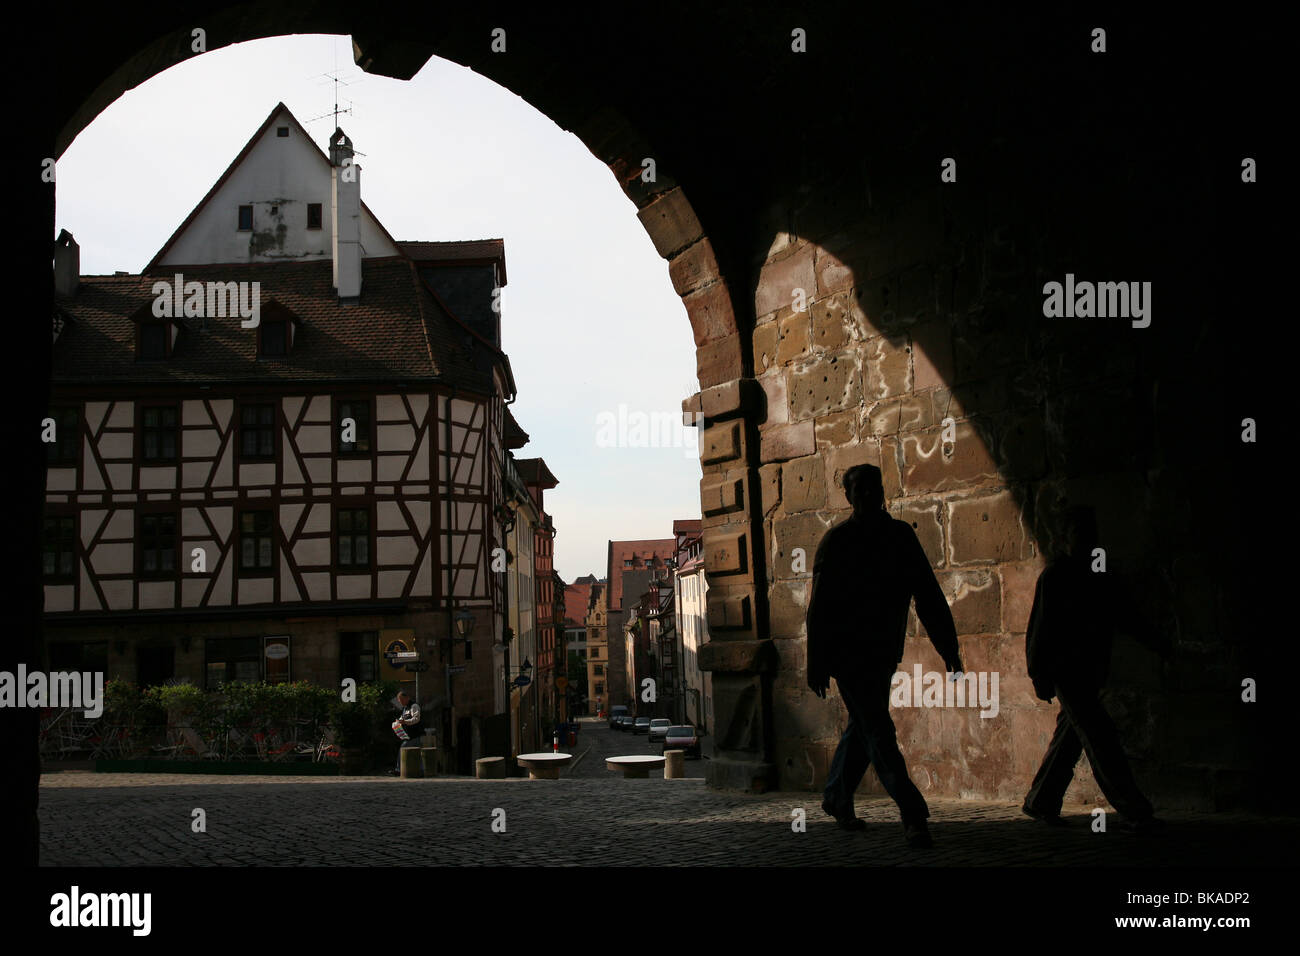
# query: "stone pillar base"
x,y
410,757
749,775
674,764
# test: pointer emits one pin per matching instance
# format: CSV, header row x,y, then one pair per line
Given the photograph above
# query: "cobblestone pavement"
x,y
90,819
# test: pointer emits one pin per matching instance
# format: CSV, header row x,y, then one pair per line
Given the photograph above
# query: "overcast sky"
x,y
589,317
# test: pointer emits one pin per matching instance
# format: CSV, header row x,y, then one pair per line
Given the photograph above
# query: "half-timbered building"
x,y
282,495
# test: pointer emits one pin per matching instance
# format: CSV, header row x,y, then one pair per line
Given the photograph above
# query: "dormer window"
x,y
274,337
154,341
245,218
276,331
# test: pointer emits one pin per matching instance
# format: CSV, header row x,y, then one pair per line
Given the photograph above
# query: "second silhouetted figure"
x,y
1068,641
865,575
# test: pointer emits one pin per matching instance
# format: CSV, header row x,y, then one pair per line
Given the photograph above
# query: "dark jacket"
x,y
866,573
1073,622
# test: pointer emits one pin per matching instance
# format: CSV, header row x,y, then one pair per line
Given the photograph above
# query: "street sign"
x,y
391,642
417,667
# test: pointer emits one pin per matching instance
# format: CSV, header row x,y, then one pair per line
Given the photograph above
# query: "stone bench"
x,y
636,766
490,768
411,764
543,766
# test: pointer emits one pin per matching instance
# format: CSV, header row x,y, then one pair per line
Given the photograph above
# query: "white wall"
x,y
282,172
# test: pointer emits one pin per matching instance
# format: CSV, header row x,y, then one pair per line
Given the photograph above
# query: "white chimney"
x,y
345,216
67,264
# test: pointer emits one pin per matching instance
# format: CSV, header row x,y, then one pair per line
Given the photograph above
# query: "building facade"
x,y
537,479
273,454
690,590
598,640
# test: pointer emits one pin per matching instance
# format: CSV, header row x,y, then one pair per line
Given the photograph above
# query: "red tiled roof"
x,y
395,332
646,550
533,471
576,598
513,435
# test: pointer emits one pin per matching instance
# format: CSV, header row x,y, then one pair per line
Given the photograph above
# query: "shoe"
x,y
1051,819
844,821
917,836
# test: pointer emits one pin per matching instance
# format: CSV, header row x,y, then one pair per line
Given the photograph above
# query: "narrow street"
x,y
596,742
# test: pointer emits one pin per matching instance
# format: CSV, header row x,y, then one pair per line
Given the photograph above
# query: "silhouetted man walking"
x,y
865,575
1067,646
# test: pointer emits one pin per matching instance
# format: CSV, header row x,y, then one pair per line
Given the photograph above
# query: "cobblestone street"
x,y
92,819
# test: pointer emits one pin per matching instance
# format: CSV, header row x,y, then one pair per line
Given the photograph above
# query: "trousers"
x,y
1084,726
870,738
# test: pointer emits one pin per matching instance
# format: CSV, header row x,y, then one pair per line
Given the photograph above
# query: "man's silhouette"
x,y
1067,645
866,573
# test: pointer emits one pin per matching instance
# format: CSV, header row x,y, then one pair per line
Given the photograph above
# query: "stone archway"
x,y
820,172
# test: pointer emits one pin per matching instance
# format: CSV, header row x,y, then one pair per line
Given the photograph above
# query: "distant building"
x,y
631,567
577,597
520,670
690,594
537,478
598,640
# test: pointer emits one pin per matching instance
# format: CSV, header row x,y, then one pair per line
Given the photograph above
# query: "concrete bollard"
x,y
410,757
490,768
674,764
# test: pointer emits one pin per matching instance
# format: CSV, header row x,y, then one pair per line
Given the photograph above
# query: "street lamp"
x,y
465,627
521,681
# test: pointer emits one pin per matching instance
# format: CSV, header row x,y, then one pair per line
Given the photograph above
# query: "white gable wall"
x,y
283,172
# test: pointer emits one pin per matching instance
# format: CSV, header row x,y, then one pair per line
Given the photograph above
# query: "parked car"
x,y
658,726
614,714
642,726
623,722
684,738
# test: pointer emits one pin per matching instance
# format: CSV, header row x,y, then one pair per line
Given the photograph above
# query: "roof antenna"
x,y
336,111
